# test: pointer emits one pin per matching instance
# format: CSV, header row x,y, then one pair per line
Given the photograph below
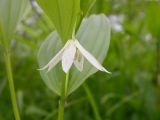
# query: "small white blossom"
x,y
73,52
148,37
116,22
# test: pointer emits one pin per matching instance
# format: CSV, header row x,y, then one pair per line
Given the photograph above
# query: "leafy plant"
x,y
95,29
131,92
11,12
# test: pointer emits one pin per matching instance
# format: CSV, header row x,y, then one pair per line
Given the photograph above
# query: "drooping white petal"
x,y
79,61
55,59
90,58
68,57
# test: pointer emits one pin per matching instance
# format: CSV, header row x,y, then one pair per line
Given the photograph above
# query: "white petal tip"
x,y
80,70
66,71
40,69
79,67
43,68
108,72
104,70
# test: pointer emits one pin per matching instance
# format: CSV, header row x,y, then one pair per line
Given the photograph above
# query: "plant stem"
x,y
11,83
63,97
92,102
61,108
158,58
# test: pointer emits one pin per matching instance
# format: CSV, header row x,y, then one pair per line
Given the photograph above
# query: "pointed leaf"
x,y
50,47
0,31
94,35
11,12
152,16
86,6
63,14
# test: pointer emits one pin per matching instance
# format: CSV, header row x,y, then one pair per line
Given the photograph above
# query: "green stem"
x,y
63,97
92,102
158,58
11,83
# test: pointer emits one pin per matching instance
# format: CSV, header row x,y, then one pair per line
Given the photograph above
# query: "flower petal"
x,y
79,61
55,59
68,57
90,58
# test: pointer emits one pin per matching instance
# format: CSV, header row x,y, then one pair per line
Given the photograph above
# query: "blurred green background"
x,y
131,92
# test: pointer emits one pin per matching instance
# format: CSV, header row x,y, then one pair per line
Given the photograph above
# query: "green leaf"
x,y
153,10
63,14
0,31
48,49
86,6
94,35
11,12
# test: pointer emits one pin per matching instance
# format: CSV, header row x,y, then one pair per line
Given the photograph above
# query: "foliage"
x,y
10,14
95,29
63,14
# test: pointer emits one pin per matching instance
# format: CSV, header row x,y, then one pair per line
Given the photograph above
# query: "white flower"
x,y
71,53
116,22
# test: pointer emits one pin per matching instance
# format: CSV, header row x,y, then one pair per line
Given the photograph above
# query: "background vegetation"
x,y
131,92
